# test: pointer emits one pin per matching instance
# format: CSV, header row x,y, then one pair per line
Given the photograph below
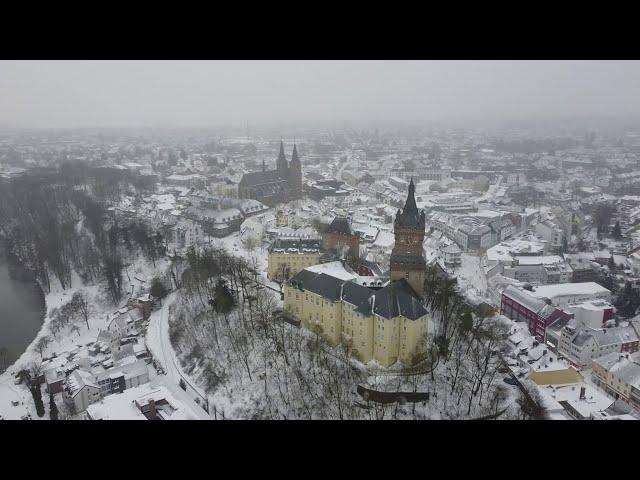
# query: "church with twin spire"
x,y
272,187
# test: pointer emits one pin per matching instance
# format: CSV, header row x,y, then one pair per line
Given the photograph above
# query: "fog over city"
x,y
52,94
320,240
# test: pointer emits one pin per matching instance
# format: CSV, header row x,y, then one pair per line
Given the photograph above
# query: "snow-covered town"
x,y
425,273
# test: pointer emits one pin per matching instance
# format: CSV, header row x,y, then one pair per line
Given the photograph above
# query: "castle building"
x,y
381,321
386,323
407,257
271,187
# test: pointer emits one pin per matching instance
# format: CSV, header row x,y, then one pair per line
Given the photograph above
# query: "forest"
x,y
55,221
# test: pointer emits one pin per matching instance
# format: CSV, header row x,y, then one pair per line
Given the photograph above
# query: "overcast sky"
x,y
208,93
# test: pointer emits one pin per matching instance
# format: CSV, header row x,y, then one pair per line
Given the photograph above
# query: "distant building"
x,y
83,388
451,255
552,234
580,345
520,306
216,222
582,265
320,189
274,186
563,294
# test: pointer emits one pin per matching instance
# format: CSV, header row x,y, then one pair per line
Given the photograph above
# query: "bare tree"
x,y
250,242
42,344
81,306
75,328
283,273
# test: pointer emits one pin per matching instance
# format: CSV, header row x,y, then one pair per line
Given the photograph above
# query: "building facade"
x,y
387,324
290,256
520,306
581,345
619,375
341,237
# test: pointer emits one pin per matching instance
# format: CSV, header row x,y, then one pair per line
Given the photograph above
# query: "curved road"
x,y
158,343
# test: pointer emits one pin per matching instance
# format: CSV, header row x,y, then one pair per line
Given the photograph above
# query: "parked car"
x,y
510,381
503,370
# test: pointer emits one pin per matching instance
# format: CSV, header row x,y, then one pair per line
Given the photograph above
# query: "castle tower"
x,y
407,256
281,163
295,175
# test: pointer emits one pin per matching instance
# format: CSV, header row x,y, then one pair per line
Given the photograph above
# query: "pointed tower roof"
x,y
294,155
281,162
410,215
281,154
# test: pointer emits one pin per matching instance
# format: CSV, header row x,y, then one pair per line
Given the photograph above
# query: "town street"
x,y
158,343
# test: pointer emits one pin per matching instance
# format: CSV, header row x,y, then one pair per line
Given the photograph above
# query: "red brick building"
x,y
539,315
340,236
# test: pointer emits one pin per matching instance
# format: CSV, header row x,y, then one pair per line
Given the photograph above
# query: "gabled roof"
x,y
391,301
340,225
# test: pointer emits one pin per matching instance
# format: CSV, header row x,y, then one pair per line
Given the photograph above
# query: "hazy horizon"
x,y
160,94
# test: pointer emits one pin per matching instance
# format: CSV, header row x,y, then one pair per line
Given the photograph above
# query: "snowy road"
x,y
493,189
158,342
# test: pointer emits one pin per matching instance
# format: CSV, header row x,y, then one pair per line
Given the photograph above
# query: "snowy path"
x,y
471,277
158,342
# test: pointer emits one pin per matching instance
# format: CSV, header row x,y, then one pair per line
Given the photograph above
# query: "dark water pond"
x,y
21,311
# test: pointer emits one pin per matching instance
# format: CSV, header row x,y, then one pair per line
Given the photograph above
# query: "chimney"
x,y
582,393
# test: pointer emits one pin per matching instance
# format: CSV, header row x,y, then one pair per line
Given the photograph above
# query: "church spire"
x,y
410,205
295,175
281,163
294,155
410,215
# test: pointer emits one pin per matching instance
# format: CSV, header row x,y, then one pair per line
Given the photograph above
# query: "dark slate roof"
x,y
260,178
295,243
395,299
340,225
375,268
410,215
319,283
398,298
408,259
